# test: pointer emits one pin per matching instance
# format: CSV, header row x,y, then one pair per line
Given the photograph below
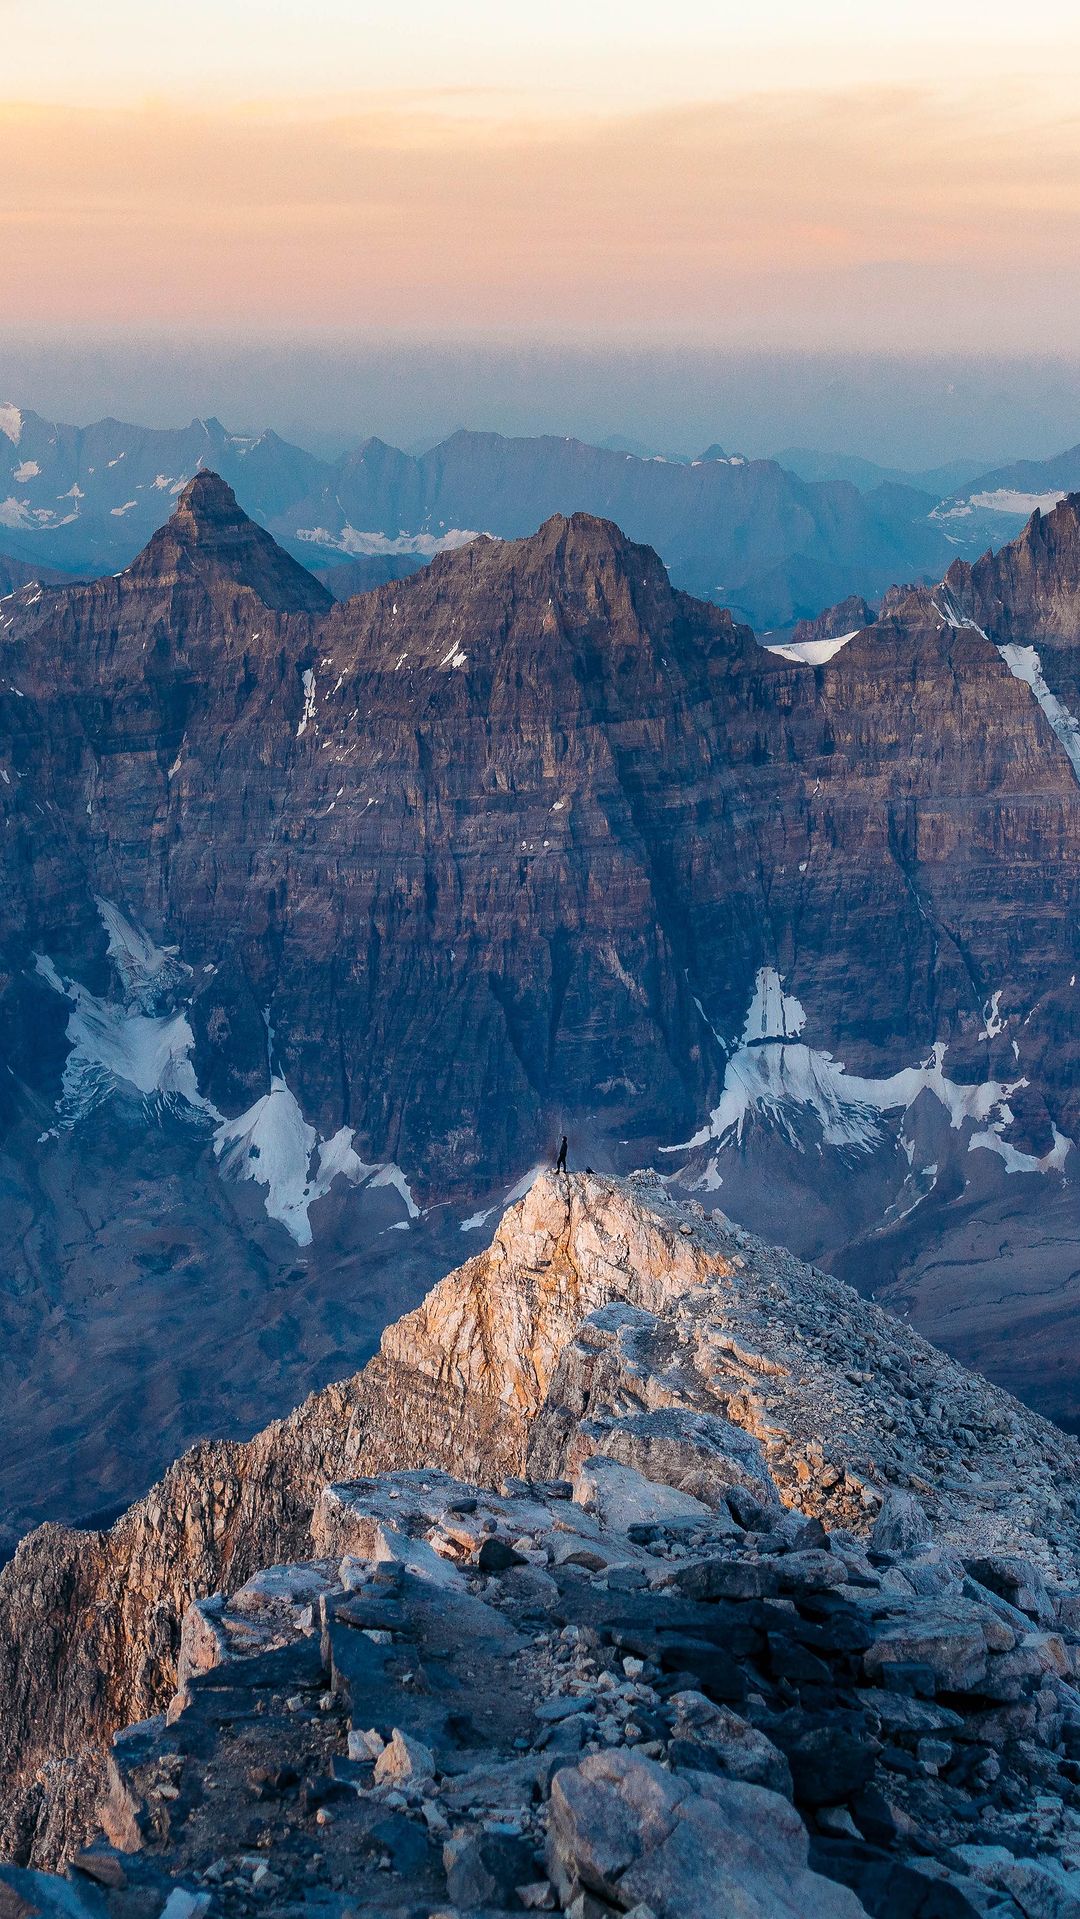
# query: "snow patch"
x,y
11,422
1006,499
1024,664
775,1076
139,1040
1000,499
308,713
813,652
113,1046
273,1144
773,1014
353,540
1018,1162
146,970
17,513
119,511
26,470
992,1020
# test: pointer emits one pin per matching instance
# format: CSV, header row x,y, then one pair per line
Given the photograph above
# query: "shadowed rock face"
x,y
497,1365
472,828
500,851
1028,590
209,537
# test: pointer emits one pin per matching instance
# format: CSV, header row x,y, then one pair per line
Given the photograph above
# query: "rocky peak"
x,y
1029,589
846,617
582,568
210,536
575,603
609,1336
747,1561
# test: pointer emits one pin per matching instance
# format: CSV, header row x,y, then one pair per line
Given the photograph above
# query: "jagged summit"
x,y
569,547
210,534
578,579
738,1550
1029,589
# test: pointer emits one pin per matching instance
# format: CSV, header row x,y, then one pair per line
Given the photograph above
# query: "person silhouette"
x,y
560,1163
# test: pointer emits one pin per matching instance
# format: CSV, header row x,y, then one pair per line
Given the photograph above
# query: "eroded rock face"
x,y
608,1330
459,1382
522,845
1026,591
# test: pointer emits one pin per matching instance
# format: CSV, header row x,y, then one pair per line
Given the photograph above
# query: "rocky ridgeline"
x,y
497,852
775,1610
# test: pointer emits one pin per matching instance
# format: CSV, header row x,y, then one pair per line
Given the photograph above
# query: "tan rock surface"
x,y
843,1400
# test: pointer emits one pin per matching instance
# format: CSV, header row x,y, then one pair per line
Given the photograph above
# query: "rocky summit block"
x,y
728,1573
627,1830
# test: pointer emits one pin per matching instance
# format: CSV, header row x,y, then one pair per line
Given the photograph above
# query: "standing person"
x,y
560,1163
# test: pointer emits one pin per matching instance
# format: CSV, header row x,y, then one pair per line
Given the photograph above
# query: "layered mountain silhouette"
x,y
745,533
321,923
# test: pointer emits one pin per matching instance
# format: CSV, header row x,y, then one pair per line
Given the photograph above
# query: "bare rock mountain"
x,y
742,532
759,1560
319,924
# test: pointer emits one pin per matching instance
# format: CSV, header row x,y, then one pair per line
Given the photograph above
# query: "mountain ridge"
x,y
327,926
775,545
611,1351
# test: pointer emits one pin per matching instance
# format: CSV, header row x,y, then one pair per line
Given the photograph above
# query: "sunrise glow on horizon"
x,y
600,171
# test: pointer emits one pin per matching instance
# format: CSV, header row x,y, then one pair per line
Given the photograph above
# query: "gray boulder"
x,y
624,1829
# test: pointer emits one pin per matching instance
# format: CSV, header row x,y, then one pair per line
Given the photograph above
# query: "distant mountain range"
x,y
776,540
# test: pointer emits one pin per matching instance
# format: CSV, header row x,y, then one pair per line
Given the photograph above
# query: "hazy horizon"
x,y
327,393
679,227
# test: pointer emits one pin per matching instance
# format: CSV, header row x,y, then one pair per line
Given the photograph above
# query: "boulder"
x,y
1016,1580
901,1525
735,1748
631,1833
698,1453
404,1758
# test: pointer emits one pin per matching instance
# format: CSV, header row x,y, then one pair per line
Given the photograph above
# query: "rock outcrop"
x,y
747,1444
1026,591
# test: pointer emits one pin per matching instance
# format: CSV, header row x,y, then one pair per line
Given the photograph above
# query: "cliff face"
x,y
316,923
605,1322
1027,590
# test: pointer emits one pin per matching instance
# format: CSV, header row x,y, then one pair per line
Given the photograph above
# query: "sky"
x,y
815,176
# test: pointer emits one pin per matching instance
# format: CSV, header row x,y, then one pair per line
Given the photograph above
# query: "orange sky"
x,y
889,206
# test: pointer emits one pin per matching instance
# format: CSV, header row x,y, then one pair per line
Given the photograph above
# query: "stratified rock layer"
x,y
497,852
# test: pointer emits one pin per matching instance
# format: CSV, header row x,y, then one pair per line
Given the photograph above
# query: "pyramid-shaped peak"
x,y
210,534
208,500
